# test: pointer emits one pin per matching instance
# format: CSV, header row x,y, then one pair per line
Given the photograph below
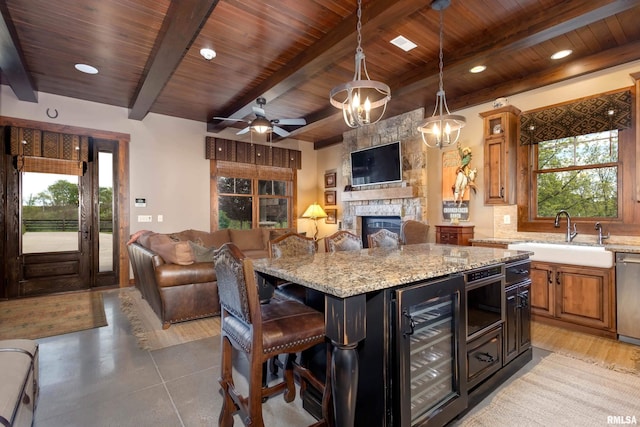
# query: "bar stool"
x,y
412,232
262,331
383,238
342,240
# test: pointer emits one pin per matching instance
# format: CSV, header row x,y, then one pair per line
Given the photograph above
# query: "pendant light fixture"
x,y
362,102
442,128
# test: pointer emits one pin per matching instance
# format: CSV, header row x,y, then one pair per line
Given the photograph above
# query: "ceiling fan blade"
x,y
229,119
280,132
291,122
243,131
259,111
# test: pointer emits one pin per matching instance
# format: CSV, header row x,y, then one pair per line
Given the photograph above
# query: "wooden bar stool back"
x,y
342,240
383,238
262,331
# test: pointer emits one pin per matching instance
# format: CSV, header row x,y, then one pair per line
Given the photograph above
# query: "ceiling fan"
x,y
261,124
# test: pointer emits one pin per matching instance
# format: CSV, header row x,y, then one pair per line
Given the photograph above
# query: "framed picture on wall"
x,y
329,197
331,216
329,180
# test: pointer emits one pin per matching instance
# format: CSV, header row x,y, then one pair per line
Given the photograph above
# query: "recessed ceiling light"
x,y
478,69
562,54
88,69
403,43
207,53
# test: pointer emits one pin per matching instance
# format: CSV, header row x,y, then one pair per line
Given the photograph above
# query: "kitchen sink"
x,y
566,253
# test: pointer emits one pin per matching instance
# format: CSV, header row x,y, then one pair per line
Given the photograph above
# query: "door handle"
x,y
485,357
557,277
412,324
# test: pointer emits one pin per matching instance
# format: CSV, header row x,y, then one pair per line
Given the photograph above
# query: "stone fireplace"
x,y
406,199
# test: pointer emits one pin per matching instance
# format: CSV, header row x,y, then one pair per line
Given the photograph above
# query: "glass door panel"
x,y
105,204
50,214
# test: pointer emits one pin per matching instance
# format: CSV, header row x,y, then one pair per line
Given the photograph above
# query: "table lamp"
x,y
315,212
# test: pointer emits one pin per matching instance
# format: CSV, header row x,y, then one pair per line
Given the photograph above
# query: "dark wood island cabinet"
x,y
399,324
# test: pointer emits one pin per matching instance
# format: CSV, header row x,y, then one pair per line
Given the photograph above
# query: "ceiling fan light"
x,y
261,125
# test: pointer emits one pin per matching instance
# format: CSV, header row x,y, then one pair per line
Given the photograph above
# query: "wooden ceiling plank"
x,y
547,24
561,72
184,20
12,63
319,56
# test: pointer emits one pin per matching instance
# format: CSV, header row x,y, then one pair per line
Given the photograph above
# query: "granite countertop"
x,y
349,273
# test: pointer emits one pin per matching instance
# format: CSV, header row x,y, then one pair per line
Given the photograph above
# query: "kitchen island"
x,y
350,281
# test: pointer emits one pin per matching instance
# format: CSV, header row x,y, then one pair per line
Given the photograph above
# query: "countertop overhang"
x,y
349,273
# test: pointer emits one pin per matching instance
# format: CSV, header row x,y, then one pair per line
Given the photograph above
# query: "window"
x,y
579,174
254,197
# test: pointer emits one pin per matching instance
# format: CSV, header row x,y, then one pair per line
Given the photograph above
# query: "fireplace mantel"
x,y
379,194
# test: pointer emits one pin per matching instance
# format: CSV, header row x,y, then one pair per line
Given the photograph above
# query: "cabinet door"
x,y
584,296
542,289
524,316
494,176
511,324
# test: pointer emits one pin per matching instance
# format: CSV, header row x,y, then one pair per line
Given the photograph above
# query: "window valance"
x,y
48,152
257,154
244,170
589,115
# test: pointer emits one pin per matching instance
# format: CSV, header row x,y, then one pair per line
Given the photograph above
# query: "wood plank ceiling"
x,y
292,52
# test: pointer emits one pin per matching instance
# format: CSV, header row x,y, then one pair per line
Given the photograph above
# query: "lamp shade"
x,y
314,211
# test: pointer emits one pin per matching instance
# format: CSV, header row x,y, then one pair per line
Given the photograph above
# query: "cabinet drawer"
x,y
484,356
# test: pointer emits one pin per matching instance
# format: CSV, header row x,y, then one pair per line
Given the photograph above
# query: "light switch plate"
x,y
507,219
145,218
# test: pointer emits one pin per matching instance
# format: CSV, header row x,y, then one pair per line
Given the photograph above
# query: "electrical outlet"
x,y
145,218
507,219
160,218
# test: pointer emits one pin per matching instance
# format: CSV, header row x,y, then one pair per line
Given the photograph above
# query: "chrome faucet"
x,y
600,236
556,224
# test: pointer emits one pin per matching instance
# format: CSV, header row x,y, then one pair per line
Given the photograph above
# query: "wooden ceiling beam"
x,y
335,44
183,22
12,63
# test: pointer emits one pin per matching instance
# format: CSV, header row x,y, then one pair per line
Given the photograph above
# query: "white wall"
x,y
167,163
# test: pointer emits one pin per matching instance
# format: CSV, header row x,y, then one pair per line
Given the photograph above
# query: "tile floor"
x,y
100,377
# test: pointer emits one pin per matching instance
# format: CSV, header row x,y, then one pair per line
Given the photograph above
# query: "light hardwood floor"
x,y
603,351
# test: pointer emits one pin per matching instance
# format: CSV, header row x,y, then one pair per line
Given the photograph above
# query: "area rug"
x,y
606,352
147,327
563,391
45,316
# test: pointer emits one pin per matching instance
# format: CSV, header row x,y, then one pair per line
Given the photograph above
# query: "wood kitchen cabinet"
x,y
454,234
500,146
575,295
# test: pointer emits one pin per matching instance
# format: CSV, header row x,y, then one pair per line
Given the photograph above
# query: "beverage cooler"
x,y
430,386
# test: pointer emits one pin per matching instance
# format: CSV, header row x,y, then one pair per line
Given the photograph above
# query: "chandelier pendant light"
x,y
362,101
442,128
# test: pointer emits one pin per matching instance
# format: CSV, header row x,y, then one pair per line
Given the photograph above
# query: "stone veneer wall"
x,y
401,128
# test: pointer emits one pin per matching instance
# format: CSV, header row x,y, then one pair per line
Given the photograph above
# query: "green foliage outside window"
x,y
579,174
236,203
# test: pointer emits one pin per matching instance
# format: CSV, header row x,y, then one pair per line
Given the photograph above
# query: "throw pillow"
x,y
201,253
175,252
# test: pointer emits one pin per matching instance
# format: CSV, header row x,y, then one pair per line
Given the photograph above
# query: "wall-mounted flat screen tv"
x,y
376,165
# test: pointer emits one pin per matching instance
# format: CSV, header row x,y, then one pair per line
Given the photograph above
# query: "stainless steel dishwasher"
x,y
628,296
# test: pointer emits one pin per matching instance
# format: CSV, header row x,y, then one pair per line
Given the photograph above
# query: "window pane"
x,y
234,212
272,188
584,193
49,212
105,203
273,213
234,185
583,150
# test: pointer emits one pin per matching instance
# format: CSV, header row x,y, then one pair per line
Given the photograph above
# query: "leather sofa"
x,y
175,273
